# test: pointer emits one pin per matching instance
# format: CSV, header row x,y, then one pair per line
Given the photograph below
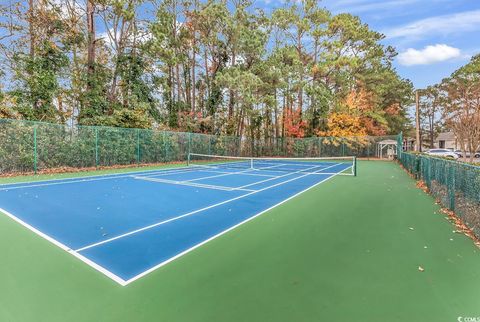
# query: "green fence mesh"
x,y
455,184
363,147
27,146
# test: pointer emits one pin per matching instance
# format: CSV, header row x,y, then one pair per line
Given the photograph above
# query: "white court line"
x,y
255,183
222,233
225,188
209,186
243,173
232,173
185,215
54,182
192,184
67,249
126,282
211,170
319,171
119,174
249,169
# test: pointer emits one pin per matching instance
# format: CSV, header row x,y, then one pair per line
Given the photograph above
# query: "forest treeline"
x,y
220,67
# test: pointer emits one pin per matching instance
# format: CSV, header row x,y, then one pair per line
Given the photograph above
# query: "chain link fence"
x,y
27,146
455,184
362,147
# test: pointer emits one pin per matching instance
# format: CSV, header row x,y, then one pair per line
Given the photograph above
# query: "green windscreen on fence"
x,y
455,184
27,146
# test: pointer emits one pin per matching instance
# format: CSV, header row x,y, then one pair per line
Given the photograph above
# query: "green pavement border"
x,y
346,250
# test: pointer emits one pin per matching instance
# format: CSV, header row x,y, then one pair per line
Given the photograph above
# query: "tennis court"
x,y
127,225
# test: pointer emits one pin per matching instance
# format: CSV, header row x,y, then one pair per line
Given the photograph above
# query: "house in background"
x,y
408,144
446,140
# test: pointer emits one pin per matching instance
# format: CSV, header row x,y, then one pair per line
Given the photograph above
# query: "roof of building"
x,y
388,141
446,136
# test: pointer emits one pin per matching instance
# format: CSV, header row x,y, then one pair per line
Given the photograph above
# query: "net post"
x,y
188,159
251,163
35,148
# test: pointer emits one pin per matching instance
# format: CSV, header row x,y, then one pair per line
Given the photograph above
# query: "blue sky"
x,y
433,37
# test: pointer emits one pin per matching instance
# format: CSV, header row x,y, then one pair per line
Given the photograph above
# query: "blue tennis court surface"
x,y
127,225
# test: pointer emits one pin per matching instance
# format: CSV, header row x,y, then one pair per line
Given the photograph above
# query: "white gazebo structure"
x,y
386,149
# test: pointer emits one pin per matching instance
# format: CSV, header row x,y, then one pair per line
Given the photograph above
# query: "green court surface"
x,y
347,250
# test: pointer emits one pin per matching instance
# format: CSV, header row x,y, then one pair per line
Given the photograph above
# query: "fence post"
x,y
239,146
165,146
429,173
96,148
35,148
368,148
189,147
399,145
319,146
209,144
451,187
138,147
417,167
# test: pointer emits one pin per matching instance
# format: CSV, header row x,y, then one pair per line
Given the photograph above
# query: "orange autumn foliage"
x,y
358,116
359,101
393,109
294,124
371,127
343,125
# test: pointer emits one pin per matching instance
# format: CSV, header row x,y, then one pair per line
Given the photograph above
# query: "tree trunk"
x,y
194,62
300,88
231,101
207,75
432,130
177,65
277,129
471,148
240,124
193,78
31,27
283,114
90,40
187,84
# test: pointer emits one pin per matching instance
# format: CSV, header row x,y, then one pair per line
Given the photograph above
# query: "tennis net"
x,y
321,165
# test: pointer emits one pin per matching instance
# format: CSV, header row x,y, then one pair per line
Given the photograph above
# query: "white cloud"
x,y
428,55
360,6
443,25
